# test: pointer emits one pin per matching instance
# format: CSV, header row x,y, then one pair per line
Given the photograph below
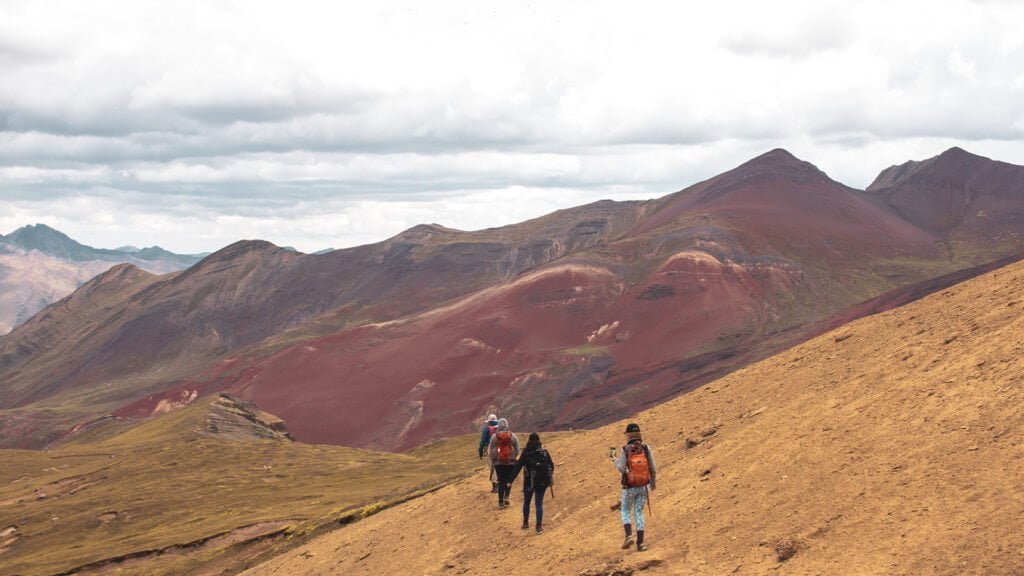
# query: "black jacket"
x,y
541,458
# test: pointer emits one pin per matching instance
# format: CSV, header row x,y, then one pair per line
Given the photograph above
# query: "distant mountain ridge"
x,y
55,243
568,320
40,265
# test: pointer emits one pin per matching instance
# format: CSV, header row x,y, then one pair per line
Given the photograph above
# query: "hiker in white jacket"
x,y
636,464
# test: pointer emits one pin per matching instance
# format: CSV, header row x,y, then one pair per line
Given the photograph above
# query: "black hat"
x,y
632,427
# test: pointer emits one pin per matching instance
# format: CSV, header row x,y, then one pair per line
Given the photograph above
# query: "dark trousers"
x,y
538,499
504,472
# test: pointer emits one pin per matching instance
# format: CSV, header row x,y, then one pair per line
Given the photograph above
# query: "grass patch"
x,y
586,350
162,484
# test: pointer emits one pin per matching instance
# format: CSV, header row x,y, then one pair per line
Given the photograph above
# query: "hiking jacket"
x,y
528,477
485,436
620,462
492,450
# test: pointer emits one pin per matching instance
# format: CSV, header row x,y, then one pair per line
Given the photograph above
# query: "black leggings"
x,y
538,498
504,472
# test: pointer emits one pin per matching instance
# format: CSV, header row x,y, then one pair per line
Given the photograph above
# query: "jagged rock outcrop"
x,y
231,418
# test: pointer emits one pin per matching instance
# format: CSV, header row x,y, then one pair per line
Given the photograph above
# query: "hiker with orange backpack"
x,y
636,463
490,427
504,451
539,476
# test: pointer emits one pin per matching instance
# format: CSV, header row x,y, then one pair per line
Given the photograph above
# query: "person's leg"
x,y
640,502
527,496
625,505
539,498
503,488
506,481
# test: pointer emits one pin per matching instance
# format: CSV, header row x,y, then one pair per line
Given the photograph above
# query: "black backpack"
x,y
538,468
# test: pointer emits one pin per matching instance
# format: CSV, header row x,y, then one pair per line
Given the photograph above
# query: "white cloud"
x,y
354,120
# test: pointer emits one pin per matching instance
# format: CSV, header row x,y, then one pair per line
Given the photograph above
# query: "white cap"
x,y
492,417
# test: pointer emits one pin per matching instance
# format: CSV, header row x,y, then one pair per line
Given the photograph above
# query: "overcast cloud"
x,y
330,124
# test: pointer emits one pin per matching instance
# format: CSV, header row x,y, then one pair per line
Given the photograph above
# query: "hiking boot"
x,y
501,505
540,529
627,542
526,524
508,502
641,547
494,487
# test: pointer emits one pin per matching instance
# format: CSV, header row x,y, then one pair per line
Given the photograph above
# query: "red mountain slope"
x,y
253,294
568,320
712,277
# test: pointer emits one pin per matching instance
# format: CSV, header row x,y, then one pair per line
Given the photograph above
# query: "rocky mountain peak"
x,y
46,240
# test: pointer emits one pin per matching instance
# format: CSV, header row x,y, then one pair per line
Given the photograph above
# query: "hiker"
x,y
540,471
636,463
503,450
490,426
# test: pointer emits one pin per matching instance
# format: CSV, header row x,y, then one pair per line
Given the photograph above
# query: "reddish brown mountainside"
x,y
963,197
251,293
711,278
564,321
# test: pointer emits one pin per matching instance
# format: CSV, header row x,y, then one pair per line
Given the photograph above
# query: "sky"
x,y
191,125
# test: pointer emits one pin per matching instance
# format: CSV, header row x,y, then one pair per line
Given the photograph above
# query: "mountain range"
x,y
40,265
570,320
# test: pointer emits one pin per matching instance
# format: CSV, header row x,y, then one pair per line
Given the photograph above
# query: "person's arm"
x,y
620,462
519,466
483,441
492,449
515,446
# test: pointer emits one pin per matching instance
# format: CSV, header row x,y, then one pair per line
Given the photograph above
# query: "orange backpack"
x,y
638,472
504,444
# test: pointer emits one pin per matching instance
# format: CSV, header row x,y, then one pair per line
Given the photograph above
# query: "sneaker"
x,y
641,547
526,525
627,542
540,529
501,506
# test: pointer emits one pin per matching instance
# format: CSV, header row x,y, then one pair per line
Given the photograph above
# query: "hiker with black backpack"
x,y
490,427
539,476
636,463
504,451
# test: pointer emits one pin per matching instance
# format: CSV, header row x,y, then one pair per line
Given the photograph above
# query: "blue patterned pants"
x,y
633,500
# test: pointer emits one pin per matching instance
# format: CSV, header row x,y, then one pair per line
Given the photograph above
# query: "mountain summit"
x,y
964,197
48,241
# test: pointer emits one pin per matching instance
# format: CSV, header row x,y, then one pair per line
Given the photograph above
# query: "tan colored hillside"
x,y
890,446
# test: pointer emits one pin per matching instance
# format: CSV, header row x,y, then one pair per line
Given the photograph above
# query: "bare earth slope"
x,y
31,281
892,445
